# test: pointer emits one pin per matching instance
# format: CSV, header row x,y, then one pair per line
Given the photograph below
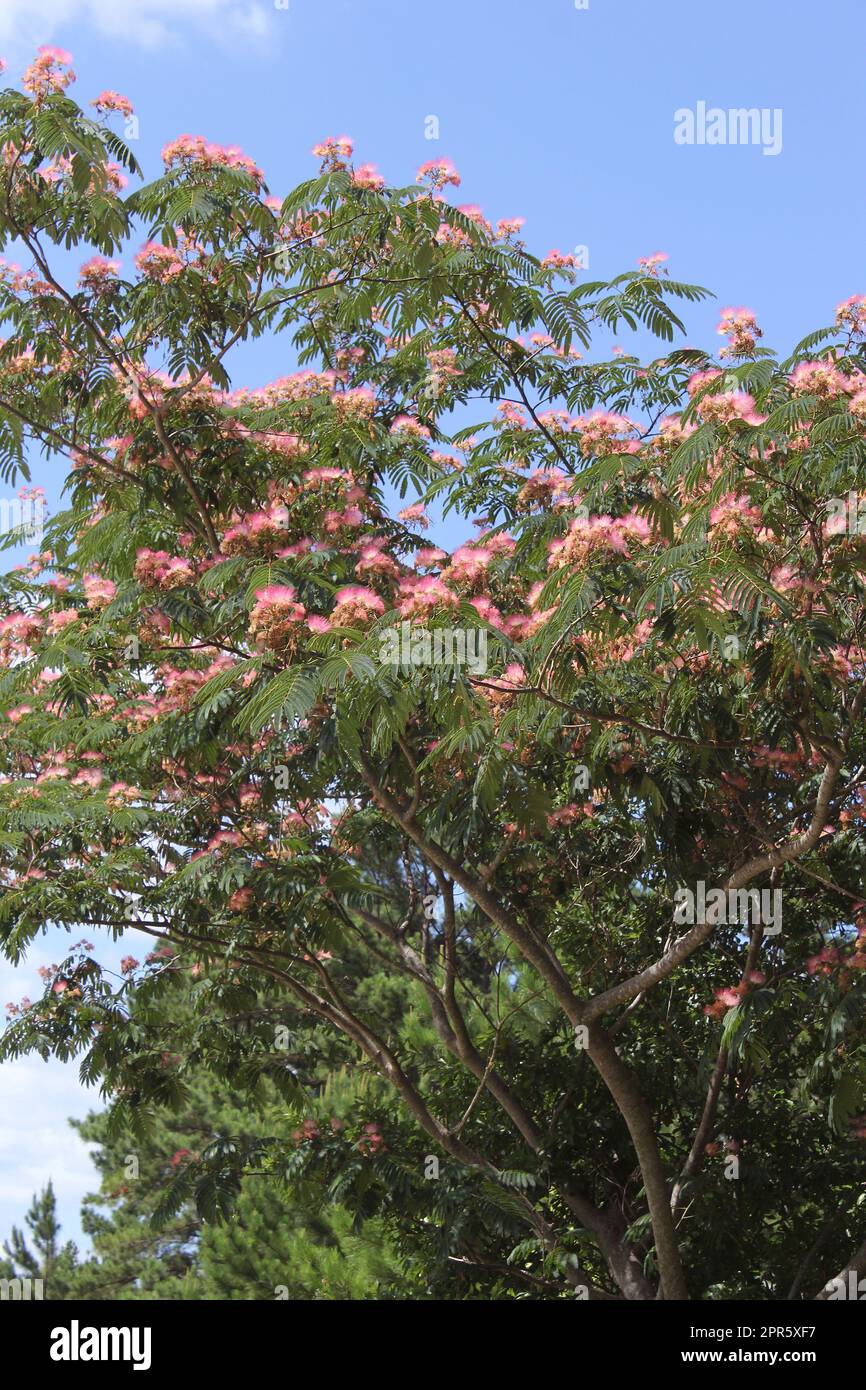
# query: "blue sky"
x,y
559,114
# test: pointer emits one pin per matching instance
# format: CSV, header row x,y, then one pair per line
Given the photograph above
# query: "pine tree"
x,y
269,1247
245,1230
49,1262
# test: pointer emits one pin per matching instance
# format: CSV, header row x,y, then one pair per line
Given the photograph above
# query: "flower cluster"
x,y
50,71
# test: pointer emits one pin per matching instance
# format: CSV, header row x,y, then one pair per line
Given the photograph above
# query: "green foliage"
x,y
429,874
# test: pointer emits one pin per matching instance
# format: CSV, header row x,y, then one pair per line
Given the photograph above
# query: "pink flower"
x,y
224,840
113,101
732,515
194,151
728,406
98,592
588,535
97,273
356,606
598,433
567,815
488,611
816,378
555,260
368,176
406,424
509,226
852,312
725,999
55,55
421,597
88,777
160,263
373,559
277,618
428,557
334,152
439,172
156,568
58,621
416,514
120,795
357,401
741,329
240,900
823,962
371,1140
650,265
729,997
46,73
468,565
348,519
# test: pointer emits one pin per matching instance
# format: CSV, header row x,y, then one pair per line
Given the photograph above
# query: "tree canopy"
x,y
511,896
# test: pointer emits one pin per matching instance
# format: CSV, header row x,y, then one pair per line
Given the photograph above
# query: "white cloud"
x,y
37,1142
147,23
37,1098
